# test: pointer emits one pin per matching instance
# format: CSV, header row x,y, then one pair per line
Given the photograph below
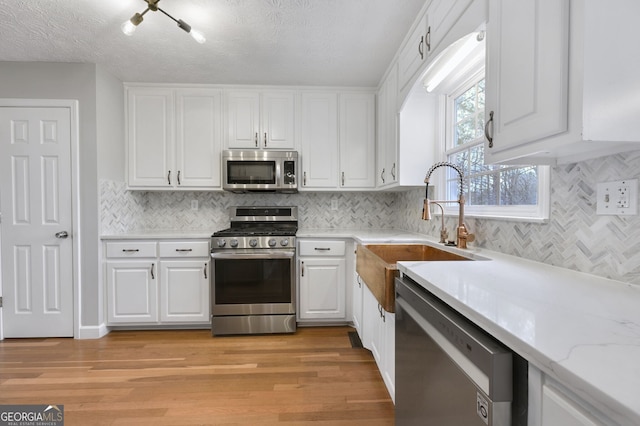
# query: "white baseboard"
x,y
92,332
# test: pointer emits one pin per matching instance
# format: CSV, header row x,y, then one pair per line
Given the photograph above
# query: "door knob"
x,y
62,234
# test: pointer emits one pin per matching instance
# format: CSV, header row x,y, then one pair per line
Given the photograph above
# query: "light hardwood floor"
x,y
187,377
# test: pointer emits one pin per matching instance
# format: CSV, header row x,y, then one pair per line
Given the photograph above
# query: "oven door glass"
x,y
253,284
251,172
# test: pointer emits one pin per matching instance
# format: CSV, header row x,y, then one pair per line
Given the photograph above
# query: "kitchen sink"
x,y
376,265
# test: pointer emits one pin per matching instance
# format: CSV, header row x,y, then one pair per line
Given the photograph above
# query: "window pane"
x,y
465,104
465,131
519,186
483,190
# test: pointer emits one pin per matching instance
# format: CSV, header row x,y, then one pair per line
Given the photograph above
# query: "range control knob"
x,y
253,242
233,243
284,242
222,242
272,242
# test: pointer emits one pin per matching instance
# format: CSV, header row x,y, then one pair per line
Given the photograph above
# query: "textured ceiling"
x,y
299,42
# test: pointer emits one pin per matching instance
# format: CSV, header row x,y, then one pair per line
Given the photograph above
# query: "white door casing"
x,y
36,204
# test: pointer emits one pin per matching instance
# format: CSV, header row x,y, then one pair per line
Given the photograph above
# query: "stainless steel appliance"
x,y
449,372
260,171
253,272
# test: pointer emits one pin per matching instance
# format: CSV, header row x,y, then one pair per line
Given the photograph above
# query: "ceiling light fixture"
x,y
129,26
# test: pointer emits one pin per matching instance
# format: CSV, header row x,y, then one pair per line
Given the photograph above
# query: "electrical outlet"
x,y
334,204
617,198
194,204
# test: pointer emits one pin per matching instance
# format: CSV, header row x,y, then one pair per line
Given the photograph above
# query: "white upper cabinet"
x,y
357,140
150,130
387,120
414,53
261,120
560,80
337,140
319,140
174,138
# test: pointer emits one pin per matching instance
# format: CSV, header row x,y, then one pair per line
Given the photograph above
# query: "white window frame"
x,y
532,213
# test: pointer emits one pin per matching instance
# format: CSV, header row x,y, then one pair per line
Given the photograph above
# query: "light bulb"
x,y
128,27
197,36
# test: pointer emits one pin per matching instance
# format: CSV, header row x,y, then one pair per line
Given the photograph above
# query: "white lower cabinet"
x,y
356,306
322,280
132,291
378,335
184,291
157,282
552,404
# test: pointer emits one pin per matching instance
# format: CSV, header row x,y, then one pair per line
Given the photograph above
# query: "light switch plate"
x,y
618,198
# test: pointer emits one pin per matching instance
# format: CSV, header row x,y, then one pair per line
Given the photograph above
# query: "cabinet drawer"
x,y
184,249
322,248
131,249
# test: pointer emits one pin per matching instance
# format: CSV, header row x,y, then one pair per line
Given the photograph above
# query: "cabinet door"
x,y
443,14
357,141
322,288
150,124
559,410
184,291
198,138
278,120
132,293
319,143
389,353
243,115
527,72
387,143
371,323
357,304
413,54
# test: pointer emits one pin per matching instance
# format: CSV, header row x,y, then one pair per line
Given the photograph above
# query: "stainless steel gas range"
x,y
253,272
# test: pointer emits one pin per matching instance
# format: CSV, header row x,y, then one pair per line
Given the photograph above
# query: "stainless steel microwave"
x,y
259,171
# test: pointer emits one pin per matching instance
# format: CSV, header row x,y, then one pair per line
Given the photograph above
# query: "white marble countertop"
x,y
580,329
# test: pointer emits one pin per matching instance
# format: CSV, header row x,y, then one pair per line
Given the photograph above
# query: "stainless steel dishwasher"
x,y
448,371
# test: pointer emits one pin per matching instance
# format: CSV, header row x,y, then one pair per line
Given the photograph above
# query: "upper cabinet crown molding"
x,y
575,97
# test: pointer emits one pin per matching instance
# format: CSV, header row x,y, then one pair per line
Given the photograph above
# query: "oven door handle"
x,y
262,254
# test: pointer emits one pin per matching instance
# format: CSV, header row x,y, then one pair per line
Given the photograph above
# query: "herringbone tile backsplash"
x,y
574,237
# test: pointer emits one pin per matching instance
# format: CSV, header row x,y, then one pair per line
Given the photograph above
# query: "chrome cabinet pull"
x,y
178,177
265,139
153,275
302,268
205,271
358,281
169,177
393,171
182,250
342,178
427,39
421,47
382,175
486,130
256,139
322,248
304,179
130,250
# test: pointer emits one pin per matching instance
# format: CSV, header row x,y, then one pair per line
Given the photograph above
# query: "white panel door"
x,y
319,140
357,141
184,291
322,289
199,138
132,292
243,119
35,200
